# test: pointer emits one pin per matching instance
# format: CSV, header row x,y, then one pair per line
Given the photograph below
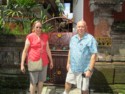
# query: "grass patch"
x,y
120,88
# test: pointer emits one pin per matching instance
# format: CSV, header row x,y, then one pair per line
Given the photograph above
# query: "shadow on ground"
x,y
99,83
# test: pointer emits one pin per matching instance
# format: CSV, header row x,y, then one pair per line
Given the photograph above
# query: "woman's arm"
x,y
24,54
49,55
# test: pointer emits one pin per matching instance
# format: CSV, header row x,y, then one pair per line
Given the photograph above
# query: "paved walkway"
x,y
51,89
59,90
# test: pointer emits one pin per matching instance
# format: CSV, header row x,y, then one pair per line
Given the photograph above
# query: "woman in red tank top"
x,y
37,47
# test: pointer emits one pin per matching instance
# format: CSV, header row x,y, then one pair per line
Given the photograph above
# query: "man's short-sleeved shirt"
x,y
81,51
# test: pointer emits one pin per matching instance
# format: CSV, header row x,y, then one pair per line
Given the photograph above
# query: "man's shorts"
x,y
35,77
76,79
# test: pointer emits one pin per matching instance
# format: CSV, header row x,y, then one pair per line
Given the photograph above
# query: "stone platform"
x,y
59,90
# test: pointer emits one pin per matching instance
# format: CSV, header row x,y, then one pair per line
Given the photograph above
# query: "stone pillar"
x,y
103,15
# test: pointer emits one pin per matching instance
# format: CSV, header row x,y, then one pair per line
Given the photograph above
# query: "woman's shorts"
x,y
76,79
35,77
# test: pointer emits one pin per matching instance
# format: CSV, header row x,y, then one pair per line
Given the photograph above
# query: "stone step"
x,y
51,90
59,90
44,90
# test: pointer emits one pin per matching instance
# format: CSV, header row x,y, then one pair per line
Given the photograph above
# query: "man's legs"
x,y
85,92
70,79
83,84
67,88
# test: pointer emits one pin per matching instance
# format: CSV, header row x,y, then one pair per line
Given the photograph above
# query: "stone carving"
x,y
103,15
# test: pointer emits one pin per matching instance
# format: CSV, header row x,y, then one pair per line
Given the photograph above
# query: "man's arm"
x,y
89,72
92,62
68,61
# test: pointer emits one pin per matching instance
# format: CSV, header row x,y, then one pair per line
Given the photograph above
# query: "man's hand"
x,y
88,74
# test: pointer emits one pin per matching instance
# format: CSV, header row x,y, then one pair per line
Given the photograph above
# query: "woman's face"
x,y
37,28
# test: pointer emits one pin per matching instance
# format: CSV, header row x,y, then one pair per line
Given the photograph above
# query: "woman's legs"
x,y
41,79
33,81
36,80
32,88
40,86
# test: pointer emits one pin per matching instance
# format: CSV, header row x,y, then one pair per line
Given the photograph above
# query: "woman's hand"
x,y
22,68
51,65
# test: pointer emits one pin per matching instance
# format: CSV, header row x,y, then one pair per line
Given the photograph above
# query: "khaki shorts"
x,y
76,79
35,77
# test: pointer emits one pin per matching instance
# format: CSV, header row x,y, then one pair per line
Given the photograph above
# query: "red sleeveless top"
x,y
37,48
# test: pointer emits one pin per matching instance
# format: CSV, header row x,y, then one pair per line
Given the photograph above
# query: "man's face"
x,y
81,28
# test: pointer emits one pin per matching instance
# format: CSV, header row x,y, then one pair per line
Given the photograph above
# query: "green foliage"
x,y
47,27
1,23
12,12
25,3
27,26
26,7
6,30
23,12
43,14
119,88
20,8
60,6
17,30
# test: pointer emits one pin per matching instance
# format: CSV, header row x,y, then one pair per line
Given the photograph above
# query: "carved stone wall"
x,y
103,15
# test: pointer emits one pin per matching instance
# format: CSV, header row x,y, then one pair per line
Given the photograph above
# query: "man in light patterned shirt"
x,y
81,59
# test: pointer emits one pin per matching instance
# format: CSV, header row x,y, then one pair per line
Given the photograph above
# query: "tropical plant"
x,y
27,26
6,30
47,27
21,8
1,23
19,12
10,13
26,6
60,6
22,13
43,14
